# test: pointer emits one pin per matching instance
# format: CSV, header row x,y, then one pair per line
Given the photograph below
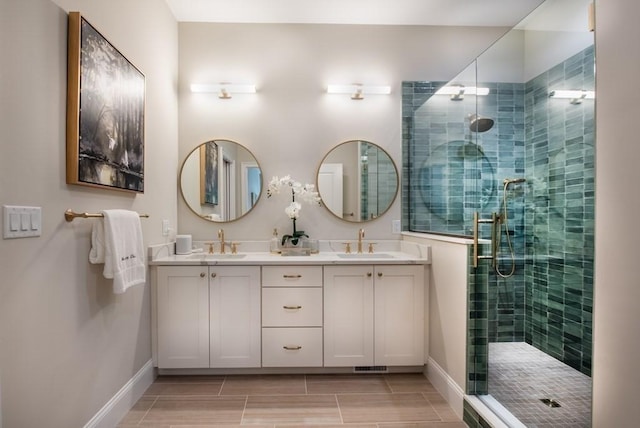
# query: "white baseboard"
x,y
446,386
118,406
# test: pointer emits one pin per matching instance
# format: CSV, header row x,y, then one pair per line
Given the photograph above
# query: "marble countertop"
x,y
389,253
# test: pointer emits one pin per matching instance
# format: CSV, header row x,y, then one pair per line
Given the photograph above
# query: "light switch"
x,y
35,220
21,222
25,221
14,222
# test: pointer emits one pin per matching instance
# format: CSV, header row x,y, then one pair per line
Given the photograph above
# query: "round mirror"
x,y
357,181
220,180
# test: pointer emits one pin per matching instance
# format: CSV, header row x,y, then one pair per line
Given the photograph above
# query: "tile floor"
x,y
520,375
359,400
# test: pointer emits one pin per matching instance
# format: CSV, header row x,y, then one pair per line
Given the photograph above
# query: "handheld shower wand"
x,y
504,219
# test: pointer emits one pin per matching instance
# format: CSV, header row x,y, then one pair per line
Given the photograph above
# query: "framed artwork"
x,y
209,173
105,112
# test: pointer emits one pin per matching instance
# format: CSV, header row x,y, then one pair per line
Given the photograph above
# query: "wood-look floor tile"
x,y
458,424
263,385
400,407
165,388
442,408
195,411
190,379
138,411
409,382
222,426
346,384
292,409
323,426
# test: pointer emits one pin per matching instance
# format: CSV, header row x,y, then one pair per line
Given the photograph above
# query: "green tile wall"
x,y
548,302
559,218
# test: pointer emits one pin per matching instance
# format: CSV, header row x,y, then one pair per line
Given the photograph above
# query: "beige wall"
x,y
617,281
67,343
291,123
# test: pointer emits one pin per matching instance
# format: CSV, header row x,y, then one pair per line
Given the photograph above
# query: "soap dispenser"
x,y
274,246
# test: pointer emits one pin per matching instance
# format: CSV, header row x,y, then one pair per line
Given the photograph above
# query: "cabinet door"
x,y
348,316
399,315
235,316
183,317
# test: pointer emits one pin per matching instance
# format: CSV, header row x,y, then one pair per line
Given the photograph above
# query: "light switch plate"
x,y
21,222
395,227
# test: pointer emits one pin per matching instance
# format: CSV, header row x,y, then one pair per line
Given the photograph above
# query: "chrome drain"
x,y
550,403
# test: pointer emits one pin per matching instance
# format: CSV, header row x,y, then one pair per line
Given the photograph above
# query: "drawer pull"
x,y
292,276
292,307
292,348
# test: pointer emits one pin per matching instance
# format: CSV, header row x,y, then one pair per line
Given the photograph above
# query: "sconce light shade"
x,y
224,90
358,91
576,96
457,92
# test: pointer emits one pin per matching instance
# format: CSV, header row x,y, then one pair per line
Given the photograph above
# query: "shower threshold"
x,y
501,412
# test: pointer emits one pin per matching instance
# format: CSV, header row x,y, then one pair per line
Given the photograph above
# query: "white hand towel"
x,y
124,249
98,253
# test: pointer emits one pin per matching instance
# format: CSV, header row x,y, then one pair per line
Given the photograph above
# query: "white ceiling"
x,y
375,12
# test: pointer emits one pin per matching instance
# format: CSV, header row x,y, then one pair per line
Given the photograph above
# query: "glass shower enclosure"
x,y
505,152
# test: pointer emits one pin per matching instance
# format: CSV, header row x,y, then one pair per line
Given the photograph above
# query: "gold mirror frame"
x,y
208,181
349,170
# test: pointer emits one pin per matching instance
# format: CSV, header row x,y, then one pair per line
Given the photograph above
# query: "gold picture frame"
x,y
105,112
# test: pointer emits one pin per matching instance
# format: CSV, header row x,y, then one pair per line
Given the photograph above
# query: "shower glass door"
x,y
533,310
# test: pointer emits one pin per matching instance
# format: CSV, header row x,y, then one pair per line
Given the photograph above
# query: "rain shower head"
x,y
480,124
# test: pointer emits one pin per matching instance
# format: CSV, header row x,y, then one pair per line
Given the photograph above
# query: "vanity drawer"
x,y
292,276
292,307
292,347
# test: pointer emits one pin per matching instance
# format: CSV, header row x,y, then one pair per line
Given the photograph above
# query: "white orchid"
x,y
305,193
293,210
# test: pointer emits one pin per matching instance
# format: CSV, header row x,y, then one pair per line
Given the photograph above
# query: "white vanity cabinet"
x,y
373,315
208,316
292,316
182,298
234,315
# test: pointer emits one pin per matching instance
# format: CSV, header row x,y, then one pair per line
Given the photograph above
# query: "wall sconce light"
x,y
576,96
457,92
224,90
358,91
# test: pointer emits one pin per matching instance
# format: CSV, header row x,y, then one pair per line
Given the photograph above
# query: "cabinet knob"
x,y
369,274
213,275
379,274
292,348
202,274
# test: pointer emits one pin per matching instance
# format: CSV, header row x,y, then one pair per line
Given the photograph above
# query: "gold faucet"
x,y
221,238
360,236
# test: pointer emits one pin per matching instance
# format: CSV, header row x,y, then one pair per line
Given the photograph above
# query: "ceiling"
x,y
373,12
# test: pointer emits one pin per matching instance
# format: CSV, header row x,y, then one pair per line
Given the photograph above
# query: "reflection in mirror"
x,y
357,181
220,180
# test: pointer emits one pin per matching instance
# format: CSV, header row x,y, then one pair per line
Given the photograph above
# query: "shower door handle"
x,y
476,226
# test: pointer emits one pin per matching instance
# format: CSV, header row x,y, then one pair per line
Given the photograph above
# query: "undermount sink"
x,y
202,256
365,256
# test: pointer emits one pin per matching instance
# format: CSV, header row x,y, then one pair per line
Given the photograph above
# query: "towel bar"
x,y
69,215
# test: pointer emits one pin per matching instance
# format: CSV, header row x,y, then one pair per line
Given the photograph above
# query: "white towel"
x,y
123,249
